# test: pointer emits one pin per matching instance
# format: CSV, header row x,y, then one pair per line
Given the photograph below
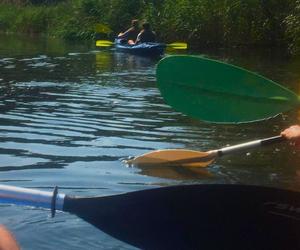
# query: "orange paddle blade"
x,y
174,157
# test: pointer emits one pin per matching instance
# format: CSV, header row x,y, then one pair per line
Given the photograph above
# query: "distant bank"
x,y
202,23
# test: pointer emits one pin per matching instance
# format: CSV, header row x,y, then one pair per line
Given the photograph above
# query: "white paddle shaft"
x,y
248,145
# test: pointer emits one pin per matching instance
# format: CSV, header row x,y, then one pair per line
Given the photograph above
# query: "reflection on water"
x,y
176,173
70,114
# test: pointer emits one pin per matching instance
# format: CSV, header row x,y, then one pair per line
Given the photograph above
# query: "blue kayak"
x,y
143,49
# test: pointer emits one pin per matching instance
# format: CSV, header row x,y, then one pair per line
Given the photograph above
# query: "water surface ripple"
x,y
70,118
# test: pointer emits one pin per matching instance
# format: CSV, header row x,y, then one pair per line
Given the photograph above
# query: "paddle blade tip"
x,y
103,43
177,46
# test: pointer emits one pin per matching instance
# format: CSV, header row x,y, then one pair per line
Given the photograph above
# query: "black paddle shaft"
x,y
217,217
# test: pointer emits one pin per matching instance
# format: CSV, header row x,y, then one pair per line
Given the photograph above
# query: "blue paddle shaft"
x,y
31,197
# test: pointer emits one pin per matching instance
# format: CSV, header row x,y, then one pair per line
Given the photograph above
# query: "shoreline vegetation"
x,y
200,23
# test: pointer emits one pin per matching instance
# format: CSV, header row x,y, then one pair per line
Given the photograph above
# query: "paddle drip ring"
x,y
53,201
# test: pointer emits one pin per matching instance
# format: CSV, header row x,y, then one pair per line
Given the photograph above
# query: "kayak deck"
x,y
144,49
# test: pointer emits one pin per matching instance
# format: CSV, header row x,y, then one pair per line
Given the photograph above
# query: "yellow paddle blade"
x,y
102,28
177,45
174,157
104,43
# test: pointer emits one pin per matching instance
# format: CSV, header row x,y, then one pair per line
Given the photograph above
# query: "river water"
x,y
70,114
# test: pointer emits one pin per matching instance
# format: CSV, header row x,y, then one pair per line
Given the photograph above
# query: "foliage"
x,y
7,13
32,20
292,22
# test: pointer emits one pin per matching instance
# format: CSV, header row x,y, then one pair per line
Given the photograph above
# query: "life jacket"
x,y
147,36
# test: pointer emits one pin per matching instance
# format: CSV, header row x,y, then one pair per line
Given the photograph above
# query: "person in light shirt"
x,y
131,34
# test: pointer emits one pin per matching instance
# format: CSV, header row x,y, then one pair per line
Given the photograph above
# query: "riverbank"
x,y
202,23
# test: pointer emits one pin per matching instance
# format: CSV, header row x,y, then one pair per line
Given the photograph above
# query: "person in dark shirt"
x,y
146,35
131,34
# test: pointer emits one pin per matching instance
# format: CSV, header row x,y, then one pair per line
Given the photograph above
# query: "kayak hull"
x,y
143,49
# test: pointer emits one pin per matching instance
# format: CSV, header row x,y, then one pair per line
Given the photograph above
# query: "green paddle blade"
x,y
217,92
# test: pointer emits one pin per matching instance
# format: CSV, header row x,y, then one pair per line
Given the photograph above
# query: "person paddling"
x,y
131,34
292,133
7,240
146,35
